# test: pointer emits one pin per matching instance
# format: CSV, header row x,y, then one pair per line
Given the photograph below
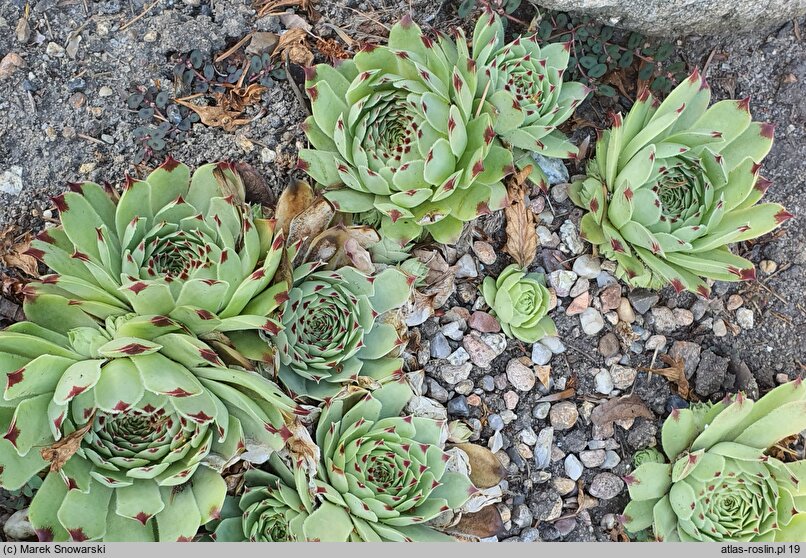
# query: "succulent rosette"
x,y
173,245
674,183
277,506
339,325
520,301
523,82
396,130
135,419
386,473
720,483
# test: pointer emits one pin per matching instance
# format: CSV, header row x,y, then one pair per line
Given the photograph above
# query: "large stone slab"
x,y
684,17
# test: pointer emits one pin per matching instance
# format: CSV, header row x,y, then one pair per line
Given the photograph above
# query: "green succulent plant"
x,y
386,473
135,419
720,484
524,89
279,506
381,477
520,301
397,130
647,455
673,184
339,325
173,245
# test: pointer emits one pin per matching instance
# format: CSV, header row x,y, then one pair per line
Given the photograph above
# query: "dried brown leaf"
x,y
622,408
61,451
485,468
543,374
482,524
293,44
559,396
13,248
331,49
674,373
265,6
521,235
216,116
296,198
255,187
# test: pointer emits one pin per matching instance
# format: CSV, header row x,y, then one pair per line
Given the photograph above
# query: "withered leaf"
x,y
12,252
521,235
485,468
674,373
543,374
296,198
622,408
216,116
559,396
255,187
482,524
293,44
61,451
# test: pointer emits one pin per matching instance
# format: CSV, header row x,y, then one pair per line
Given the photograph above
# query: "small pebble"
x,y
573,467
655,342
542,448
781,378
592,321
457,357
720,329
55,50
541,355
608,345
604,382
485,252
610,297
683,317
623,376
570,237
581,286
606,486
458,407
439,346
563,485
744,317
466,268
527,436
495,422
587,266
562,281
563,415
511,400
484,322
487,383
643,299
592,458
578,305
625,311
522,377
768,266
565,526
611,460
541,410
453,330
664,319
734,302
473,400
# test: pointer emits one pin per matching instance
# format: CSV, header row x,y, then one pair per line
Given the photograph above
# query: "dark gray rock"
x,y
710,373
642,300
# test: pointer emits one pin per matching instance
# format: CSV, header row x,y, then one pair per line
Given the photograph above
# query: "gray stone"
x,y
587,266
592,321
528,436
453,330
642,300
562,281
606,486
458,407
581,286
529,535
522,516
541,355
553,168
683,17
11,181
623,376
457,357
655,342
563,415
520,376
18,527
425,407
744,317
487,383
570,237
565,526
541,410
455,374
592,458
437,392
439,346
611,460
559,193
604,382
464,387
664,319
481,354
542,449
495,422
710,373
689,352
573,467
720,329
553,344
608,345
466,267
